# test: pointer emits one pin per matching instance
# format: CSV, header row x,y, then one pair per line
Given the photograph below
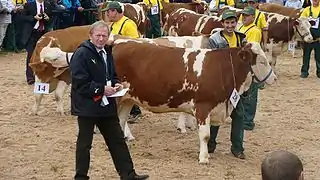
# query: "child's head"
x,y
281,165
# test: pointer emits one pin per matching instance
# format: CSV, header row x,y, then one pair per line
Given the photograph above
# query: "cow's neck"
x,y
241,69
287,34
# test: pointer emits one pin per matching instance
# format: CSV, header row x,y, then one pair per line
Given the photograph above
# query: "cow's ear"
x,y
245,55
247,46
296,23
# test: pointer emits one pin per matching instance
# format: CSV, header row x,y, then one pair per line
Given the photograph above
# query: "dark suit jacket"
x,y
28,13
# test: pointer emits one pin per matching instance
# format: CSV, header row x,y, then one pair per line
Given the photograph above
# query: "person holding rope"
x,y
124,26
253,34
228,37
261,23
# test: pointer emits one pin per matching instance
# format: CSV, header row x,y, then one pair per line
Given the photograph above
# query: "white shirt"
x,y
38,12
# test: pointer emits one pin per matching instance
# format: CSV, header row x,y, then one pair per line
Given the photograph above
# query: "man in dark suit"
x,y
35,16
94,78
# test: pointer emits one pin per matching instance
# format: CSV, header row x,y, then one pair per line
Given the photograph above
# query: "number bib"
x,y
234,98
154,10
41,88
316,22
220,6
291,46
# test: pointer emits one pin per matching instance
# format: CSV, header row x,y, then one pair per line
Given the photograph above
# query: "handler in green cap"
x,y
228,37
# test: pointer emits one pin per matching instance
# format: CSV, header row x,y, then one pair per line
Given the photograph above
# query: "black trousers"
x,y
35,36
114,138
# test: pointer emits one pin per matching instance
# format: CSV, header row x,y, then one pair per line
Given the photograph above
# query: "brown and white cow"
x,y
184,22
277,8
168,8
58,78
283,29
189,84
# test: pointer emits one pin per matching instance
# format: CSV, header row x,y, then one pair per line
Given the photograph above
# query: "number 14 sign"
x,y
41,88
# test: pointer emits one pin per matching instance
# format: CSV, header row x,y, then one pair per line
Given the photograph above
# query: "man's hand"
x,y
108,90
37,17
45,17
118,86
80,9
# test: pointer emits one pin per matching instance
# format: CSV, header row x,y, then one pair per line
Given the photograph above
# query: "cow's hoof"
x,y
192,128
182,131
130,138
204,161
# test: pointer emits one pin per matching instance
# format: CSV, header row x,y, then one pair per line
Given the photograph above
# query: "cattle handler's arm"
x,y
81,78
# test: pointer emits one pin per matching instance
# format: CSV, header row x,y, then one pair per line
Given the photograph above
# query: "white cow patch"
x,y
139,10
197,66
182,10
279,17
119,41
185,56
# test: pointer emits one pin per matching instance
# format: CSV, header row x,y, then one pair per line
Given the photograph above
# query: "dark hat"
x,y
228,14
249,11
113,5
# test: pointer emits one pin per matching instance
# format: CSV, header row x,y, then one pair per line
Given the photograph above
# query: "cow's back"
x,y
184,22
161,76
276,8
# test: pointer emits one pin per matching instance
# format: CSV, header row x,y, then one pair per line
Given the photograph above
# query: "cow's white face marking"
x,y
262,67
304,29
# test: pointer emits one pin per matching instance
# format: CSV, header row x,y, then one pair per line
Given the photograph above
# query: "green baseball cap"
x,y
113,5
228,14
249,11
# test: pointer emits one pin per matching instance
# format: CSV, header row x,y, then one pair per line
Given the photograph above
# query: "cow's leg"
x,y
38,98
124,111
186,120
181,126
190,122
60,90
35,108
204,135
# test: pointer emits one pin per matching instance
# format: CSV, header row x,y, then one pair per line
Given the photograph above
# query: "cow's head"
x,y
54,56
260,66
302,26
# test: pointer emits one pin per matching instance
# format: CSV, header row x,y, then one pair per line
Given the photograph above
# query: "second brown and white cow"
x,y
184,22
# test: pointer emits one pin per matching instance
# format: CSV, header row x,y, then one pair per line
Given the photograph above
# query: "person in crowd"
x,y
216,5
36,16
94,78
297,4
281,165
6,7
124,26
155,16
250,97
312,12
228,37
261,23
69,18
